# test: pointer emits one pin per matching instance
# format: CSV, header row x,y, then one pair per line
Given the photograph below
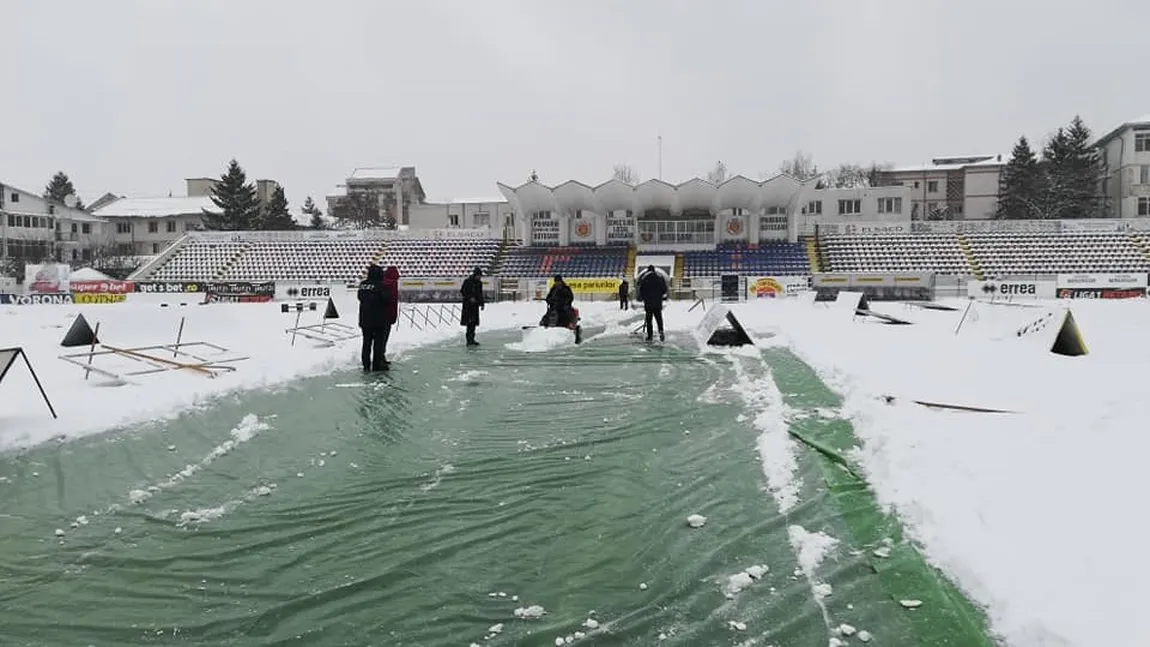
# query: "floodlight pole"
x,y
660,157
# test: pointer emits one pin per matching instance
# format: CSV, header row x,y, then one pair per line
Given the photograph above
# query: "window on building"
x,y
1144,206
916,184
155,248
15,197
123,227
453,220
777,211
153,227
890,205
850,207
52,209
171,226
85,228
508,220
1141,143
815,207
74,228
482,220
1144,174
932,186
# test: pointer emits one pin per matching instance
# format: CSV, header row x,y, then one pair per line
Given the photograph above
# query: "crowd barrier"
x,y
893,286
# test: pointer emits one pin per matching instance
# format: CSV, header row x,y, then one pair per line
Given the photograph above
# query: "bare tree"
x,y
848,176
718,174
626,173
801,167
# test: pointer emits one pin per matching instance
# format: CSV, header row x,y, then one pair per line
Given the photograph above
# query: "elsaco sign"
x,y
1011,289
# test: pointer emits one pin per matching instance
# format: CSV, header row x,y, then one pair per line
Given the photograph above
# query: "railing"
x,y
425,316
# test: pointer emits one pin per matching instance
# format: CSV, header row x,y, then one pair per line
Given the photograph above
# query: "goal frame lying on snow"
x,y
81,334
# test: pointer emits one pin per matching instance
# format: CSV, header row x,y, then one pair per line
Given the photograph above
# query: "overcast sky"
x,y
132,96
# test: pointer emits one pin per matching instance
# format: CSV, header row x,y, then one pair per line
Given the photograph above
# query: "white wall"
x,y
869,203
1124,177
145,242
437,215
980,201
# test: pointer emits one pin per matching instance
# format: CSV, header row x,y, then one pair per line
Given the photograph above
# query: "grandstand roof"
x,y
156,207
615,195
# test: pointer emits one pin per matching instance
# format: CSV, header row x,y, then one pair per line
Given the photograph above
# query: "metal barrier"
x,y
423,316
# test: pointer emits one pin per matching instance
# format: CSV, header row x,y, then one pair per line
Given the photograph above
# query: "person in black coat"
x,y
472,292
374,322
653,292
624,295
560,298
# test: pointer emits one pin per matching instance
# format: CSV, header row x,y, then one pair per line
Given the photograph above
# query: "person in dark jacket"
x,y
560,298
624,295
378,309
472,292
653,292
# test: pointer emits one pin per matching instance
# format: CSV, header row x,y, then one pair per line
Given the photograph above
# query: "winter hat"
x,y
477,272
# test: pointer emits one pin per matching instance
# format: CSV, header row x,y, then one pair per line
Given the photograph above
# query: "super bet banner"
x,y
590,286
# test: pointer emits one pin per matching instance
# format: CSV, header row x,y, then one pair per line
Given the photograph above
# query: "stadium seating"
x,y
765,259
303,261
454,258
199,261
588,262
999,254
938,253
322,260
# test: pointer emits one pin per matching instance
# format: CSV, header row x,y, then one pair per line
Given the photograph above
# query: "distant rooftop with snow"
x,y
156,207
956,163
376,173
1144,120
487,200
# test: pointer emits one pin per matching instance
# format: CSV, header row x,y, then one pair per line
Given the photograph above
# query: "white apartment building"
x,y
386,187
34,229
1126,168
951,188
147,226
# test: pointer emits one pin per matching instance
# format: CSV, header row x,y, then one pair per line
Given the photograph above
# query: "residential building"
x,y
381,189
200,187
950,188
146,226
472,213
1126,168
34,229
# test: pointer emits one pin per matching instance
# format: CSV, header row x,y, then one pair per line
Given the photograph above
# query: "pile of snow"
x,y
540,340
995,500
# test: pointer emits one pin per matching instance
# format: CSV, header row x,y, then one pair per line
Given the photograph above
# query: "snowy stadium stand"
x,y
764,259
988,255
981,255
575,261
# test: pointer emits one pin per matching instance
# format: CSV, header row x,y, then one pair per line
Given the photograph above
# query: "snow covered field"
x,y
1033,513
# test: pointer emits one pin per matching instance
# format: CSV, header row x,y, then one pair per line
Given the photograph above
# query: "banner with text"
x,y
590,286
169,287
545,231
89,298
34,299
305,291
620,229
771,286
1102,280
1009,290
102,287
1101,293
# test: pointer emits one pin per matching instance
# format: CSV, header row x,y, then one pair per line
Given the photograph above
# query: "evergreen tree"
x,y
313,212
275,215
237,201
1073,171
1020,187
61,187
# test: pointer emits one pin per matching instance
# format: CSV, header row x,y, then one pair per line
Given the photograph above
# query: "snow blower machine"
x,y
569,320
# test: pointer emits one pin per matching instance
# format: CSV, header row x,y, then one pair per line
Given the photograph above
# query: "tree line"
x,y
1064,182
